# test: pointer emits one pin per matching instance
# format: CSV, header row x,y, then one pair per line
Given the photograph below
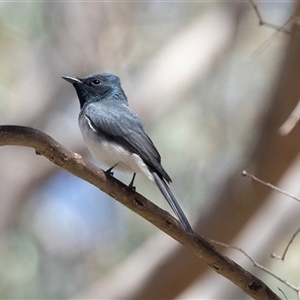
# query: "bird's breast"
x,y
110,152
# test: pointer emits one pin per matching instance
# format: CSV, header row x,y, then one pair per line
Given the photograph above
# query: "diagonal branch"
x,y
75,164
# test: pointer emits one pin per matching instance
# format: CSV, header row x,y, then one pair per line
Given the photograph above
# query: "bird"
x,y
116,136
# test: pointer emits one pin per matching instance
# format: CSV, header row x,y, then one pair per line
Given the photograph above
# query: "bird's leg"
x,y
109,171
131,182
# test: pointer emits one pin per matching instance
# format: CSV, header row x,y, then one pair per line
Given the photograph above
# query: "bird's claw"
x,y
131,186
109,171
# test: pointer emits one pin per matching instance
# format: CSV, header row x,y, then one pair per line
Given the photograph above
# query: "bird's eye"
x,y
96,82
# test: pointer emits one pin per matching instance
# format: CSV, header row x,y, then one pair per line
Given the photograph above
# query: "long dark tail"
x,y
165,190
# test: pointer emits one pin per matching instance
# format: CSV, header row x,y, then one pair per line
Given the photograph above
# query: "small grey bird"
x,y
116,136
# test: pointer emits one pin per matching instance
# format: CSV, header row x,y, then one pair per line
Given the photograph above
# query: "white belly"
x,y
111,154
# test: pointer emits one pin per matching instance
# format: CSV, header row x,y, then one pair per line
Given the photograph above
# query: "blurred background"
x,y
212,87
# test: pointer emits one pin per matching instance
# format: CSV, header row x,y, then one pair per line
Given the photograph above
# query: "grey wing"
x,y
125,127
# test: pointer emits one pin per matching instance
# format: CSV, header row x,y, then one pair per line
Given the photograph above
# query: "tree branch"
x,y
80,167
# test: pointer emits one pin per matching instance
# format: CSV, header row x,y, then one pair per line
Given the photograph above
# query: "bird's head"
x,y
97,87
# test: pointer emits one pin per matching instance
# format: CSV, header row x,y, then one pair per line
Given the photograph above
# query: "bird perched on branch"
x,y
116,136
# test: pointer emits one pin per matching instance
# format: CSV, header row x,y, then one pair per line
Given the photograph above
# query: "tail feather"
x,y
165,190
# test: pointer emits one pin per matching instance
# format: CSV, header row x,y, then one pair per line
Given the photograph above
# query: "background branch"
x,y
257,265
262,22
75,164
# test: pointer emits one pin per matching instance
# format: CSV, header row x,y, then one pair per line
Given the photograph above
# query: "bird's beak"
x,y
72,79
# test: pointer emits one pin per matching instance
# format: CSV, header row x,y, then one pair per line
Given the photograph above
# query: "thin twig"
x,y
266,24
267,41
270,25
282,293
245,173
257,265
273,255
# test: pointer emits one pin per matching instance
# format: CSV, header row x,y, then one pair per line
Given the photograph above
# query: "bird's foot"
x,y
109,171
131,186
